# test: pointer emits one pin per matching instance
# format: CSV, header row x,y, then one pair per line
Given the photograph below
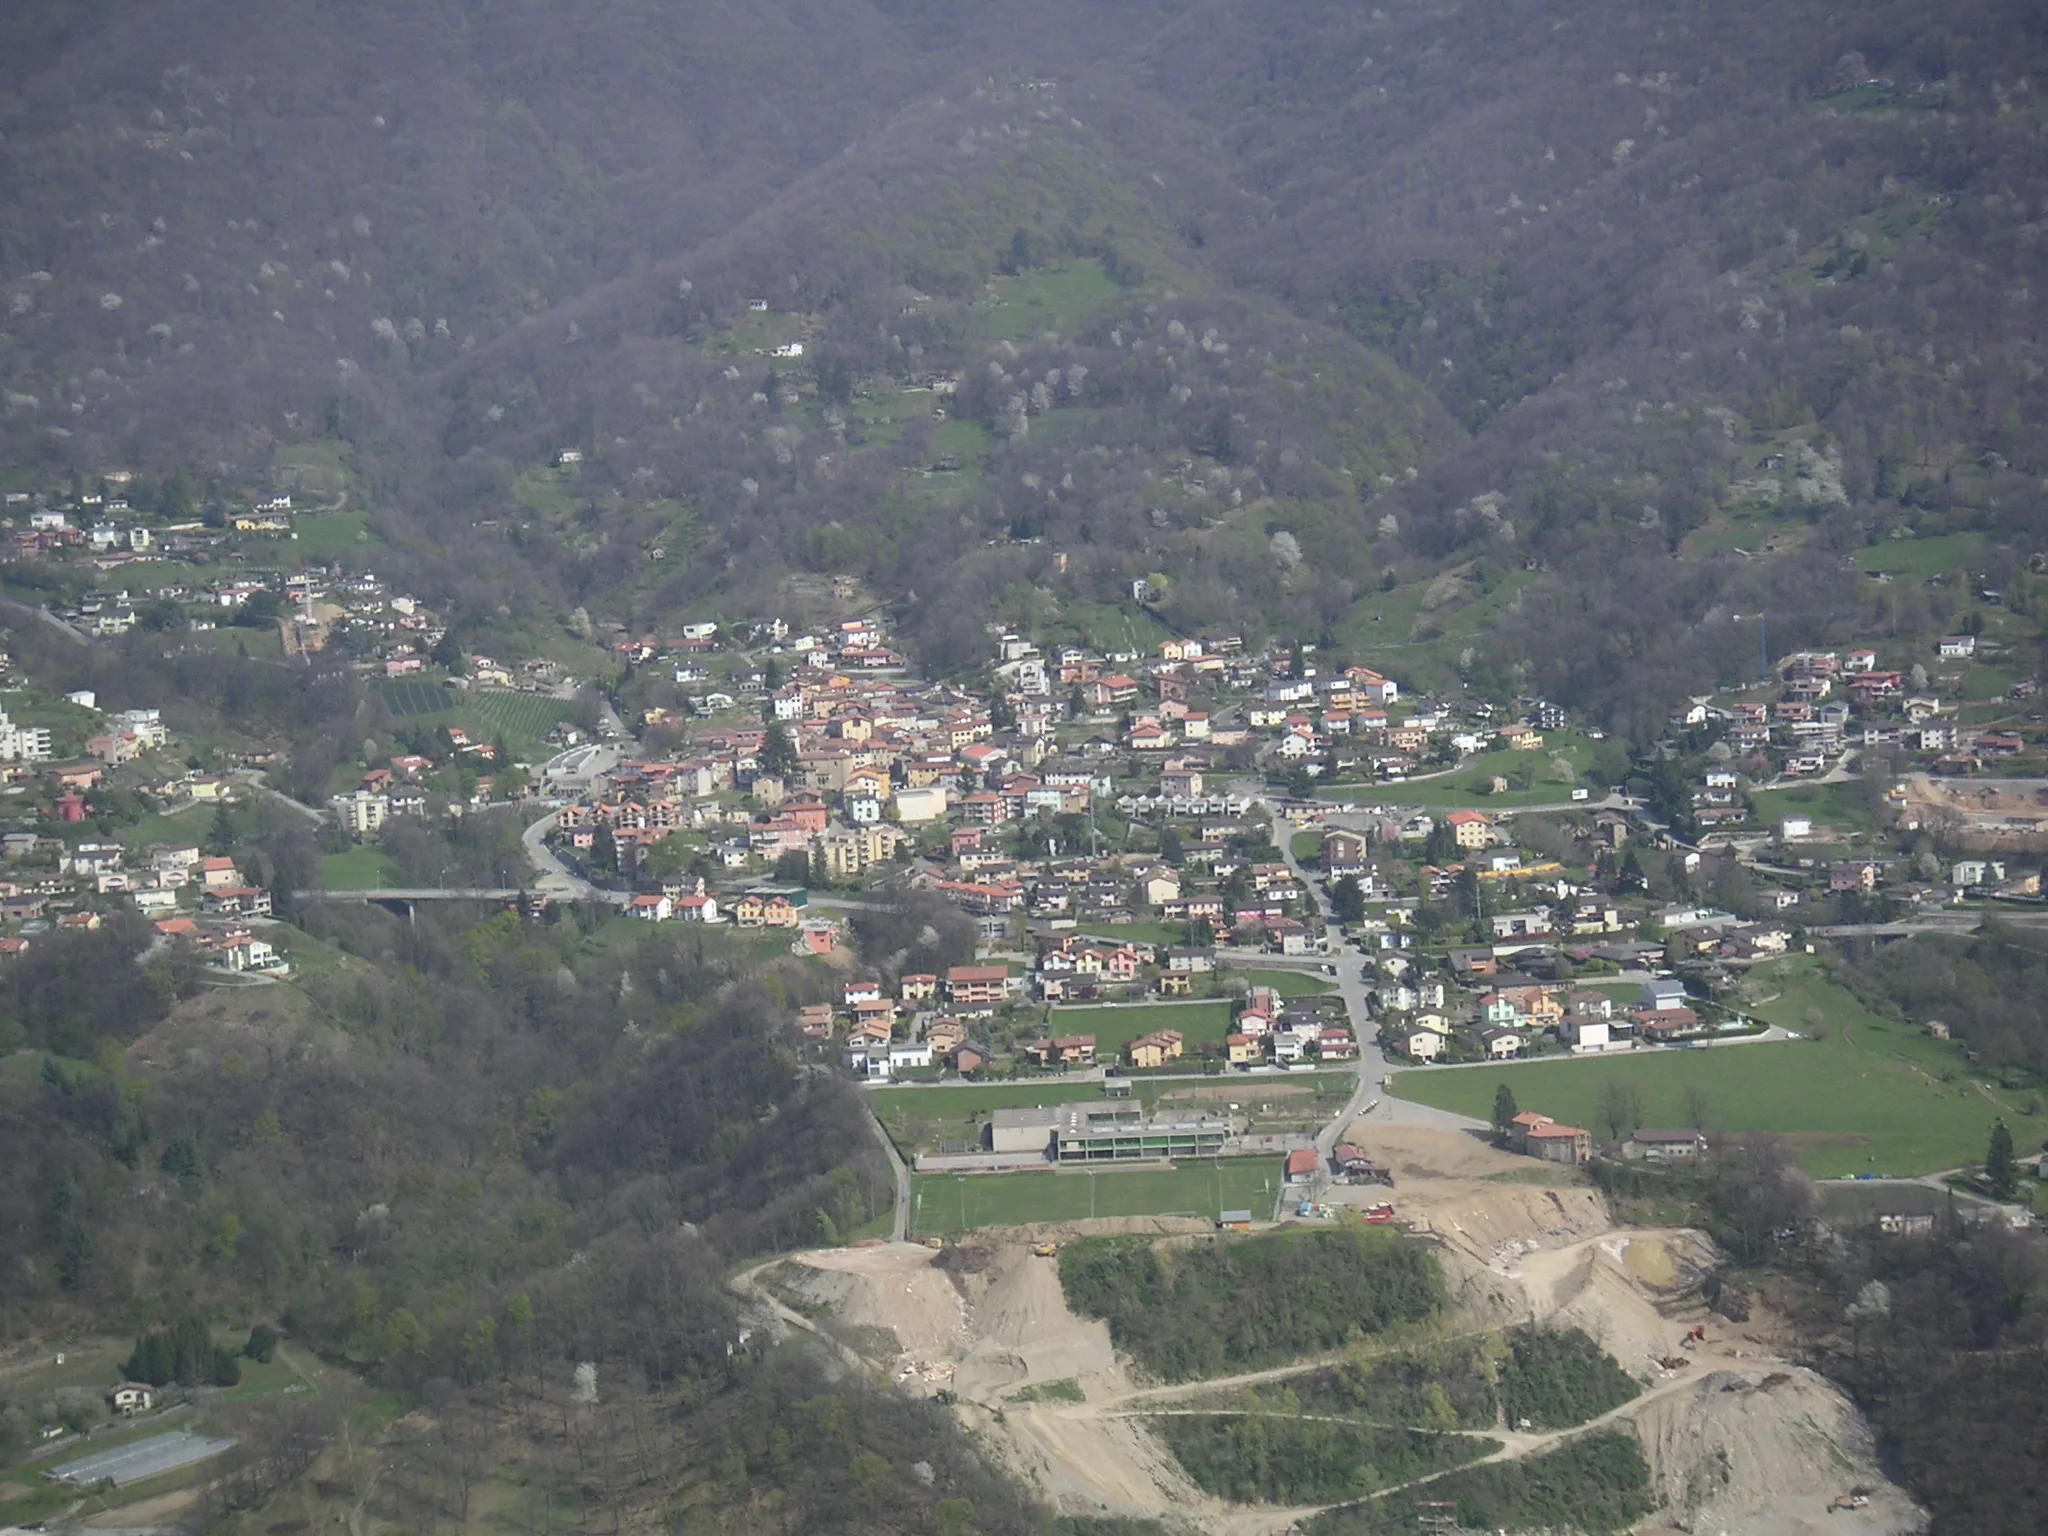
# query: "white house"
x,y
696,909
909,1053
650,909
1588,1036
1422,1045
1957,647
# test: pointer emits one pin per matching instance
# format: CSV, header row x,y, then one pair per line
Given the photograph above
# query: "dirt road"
x,y
1740,1440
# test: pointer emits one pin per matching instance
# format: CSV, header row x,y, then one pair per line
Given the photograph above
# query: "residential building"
x,y
1670,1146
969,985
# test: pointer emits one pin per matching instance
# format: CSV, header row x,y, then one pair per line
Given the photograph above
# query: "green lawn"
x,y
188,824
360,869
323,536
1828,805
1868,1098
1051,298
1115,1025
1110,627
1291,983
1920,557
1138,933
941,1203
1468,786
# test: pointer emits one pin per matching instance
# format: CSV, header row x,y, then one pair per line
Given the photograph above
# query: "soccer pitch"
x,y
942,1204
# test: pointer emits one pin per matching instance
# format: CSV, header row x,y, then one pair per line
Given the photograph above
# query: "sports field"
x,y
941,1203
1115,1025
1871,1096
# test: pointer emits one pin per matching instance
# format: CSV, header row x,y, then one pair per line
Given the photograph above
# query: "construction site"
x,y
1994,814
1739,1439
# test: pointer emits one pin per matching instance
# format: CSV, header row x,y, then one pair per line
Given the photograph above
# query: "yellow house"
x,y
1156,1049
874,781
1243,1050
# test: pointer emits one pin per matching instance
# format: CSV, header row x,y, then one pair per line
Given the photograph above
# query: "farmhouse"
x,y
1679,1146
1555,1143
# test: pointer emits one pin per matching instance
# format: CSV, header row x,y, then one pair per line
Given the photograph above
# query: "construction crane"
x,y
1763,633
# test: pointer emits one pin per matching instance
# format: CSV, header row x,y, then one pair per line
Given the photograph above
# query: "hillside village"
x,y
1119,826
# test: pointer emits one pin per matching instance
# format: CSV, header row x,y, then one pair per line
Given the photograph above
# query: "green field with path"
x,y
1868,1097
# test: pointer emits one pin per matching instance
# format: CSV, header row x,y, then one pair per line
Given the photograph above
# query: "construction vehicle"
x,y
1849,1501
1047,1250
933,1242
1379,1215
1695,1336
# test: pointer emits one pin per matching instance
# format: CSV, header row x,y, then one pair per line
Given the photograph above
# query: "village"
x,y
1150,845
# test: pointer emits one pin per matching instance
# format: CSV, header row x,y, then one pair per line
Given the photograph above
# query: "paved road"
x,y
900,1224
1369,1101
77,636
417,893
552,876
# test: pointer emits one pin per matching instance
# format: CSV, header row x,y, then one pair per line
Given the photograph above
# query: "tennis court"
x,y
140,1459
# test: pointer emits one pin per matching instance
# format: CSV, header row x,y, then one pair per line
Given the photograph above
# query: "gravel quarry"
x,y
1740,1440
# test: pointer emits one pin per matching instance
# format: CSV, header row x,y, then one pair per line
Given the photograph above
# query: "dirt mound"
x,y
1024,1334
1098,1465
1762,1452
894,1286
1426,1154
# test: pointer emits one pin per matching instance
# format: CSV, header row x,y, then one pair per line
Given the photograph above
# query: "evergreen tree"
x,y
604,852
220,838
2000,1171
1442,845
1347,900
1504,1110
778,752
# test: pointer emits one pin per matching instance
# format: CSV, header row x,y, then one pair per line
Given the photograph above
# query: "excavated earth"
x,y
1740,1441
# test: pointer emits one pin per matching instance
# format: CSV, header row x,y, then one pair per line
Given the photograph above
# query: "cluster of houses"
x,y
932,1021
200,903
1826,703
1537,1135
1265,1032
1498,1003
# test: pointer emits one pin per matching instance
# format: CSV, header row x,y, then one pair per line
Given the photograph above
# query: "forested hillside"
x,y
1500,299
465,1160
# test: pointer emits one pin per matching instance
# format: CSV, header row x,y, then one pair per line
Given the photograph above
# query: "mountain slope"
x,y
1515,290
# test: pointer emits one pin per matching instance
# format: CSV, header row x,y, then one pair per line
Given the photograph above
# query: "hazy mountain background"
x,y
1482,304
